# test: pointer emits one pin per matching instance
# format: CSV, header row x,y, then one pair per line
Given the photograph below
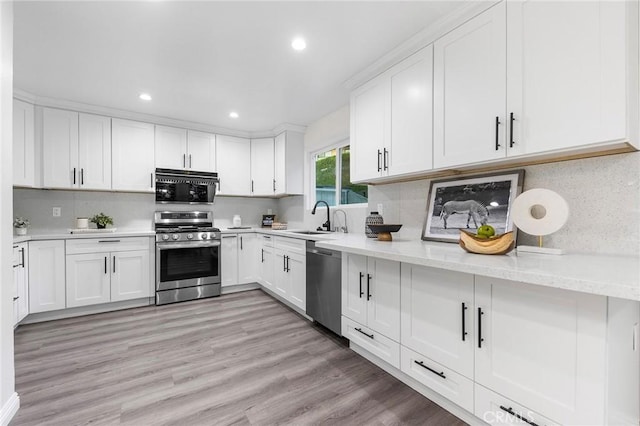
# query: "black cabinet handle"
x,y
464,328
284,263
361,277
22,256
151,180
74,175
114,264
241,248
518,416
16,298
105,264
82,176
385,161
379,157
511,120
368,286
288,264
497,133
274,185
252,186
480,339
370,336
108,241
421,364
184,160
190,166
262,255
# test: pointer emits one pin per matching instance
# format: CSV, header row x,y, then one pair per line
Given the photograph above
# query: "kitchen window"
x,y
332,178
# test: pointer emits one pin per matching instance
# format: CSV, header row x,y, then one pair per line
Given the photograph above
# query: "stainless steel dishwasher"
x,y
324,286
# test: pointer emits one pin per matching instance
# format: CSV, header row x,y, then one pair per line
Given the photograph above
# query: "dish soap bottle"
x,y
373,219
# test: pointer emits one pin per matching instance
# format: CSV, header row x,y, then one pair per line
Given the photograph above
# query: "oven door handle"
x,y
169,246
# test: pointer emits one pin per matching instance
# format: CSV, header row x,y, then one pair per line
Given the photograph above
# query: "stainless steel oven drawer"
x,y
189,293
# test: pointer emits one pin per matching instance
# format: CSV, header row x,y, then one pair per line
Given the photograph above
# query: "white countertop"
x,y
61,235
615,276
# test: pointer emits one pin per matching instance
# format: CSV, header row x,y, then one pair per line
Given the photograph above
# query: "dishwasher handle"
x,y
324,252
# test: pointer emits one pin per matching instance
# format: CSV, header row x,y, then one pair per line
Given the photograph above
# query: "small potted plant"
x,y
101,220
21,224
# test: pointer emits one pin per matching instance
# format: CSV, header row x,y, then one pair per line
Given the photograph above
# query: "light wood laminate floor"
x,y
242,358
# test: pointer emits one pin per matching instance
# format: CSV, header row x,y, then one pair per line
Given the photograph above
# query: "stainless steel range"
x,y
187,256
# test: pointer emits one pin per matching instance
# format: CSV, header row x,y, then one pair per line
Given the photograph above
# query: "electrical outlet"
x,y
380,212
57,211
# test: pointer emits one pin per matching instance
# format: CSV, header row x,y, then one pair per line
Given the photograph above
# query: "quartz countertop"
x,y
62,235
606,275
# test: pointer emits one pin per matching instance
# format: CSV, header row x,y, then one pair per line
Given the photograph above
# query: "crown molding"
x,y
149,118
467,10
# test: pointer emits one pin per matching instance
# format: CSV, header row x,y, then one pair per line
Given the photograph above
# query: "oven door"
x,y
180,265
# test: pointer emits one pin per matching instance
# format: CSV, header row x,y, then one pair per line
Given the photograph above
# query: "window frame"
x,y
312,162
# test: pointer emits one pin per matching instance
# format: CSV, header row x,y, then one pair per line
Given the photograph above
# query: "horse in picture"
x,y
473,208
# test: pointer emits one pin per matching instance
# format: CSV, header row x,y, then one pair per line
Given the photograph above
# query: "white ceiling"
x,y
200,60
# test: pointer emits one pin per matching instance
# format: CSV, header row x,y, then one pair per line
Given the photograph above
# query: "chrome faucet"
x,y
340,228
327,224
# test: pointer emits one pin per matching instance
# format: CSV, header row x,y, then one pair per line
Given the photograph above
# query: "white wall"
x,y
8,398
129,211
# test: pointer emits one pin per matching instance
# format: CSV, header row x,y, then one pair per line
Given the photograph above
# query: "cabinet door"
x,y
229,260
22,283
247,258
297,273
280,164
133,156
201,151
566,73
262,166
281,280
411,143
383,310
46,276
171,147
94,152
267,265
234,165
130,275
88,279
59,148
370,129
354,287
23,144
469,91
542,347
437,315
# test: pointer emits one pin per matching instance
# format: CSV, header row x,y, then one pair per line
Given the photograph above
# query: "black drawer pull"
x,y
518,416
480,339
497,133
105,265
361,277
370,336
368,286
464,327
108,241
421,364
511,141
379,157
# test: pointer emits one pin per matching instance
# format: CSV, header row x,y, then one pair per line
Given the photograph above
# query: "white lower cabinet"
x,y
21,282
445,381
247,259
229,262
290,270
266,267
88,279
130,275
498,410
374,342
46,276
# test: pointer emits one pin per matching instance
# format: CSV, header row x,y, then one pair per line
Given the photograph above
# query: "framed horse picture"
x,y
469,202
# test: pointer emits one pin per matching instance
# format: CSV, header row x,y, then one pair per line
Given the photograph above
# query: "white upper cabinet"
x,y
133,156
60,148
566,76
201,151
23,144
262,166
234,165
94,152
289,164
171,147
391,121
469,92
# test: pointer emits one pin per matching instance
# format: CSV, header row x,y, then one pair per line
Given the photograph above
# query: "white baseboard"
x,y
432,396
286,302
9,409
239,287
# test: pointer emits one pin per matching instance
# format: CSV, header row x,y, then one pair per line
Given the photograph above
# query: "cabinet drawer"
x,y
446,382
498,410
266,240
109,244
292,245
374,342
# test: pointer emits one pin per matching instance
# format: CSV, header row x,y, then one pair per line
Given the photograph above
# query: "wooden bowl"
x,y
384,231
501,244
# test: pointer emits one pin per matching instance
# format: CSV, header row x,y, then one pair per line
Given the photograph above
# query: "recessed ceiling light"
x,y
233,114
145,96
298,43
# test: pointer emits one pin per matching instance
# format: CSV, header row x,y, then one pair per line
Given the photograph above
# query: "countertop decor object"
x,y
237,221
101,220
501,244
278,226
384,231
373,219
20,225
540,212
468,202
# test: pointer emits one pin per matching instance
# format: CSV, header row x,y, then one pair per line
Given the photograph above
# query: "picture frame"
x,y
474,200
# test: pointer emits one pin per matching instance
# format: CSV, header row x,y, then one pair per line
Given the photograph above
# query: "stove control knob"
x,y
165,237
189,236
175,236
204,236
